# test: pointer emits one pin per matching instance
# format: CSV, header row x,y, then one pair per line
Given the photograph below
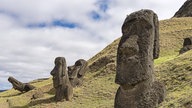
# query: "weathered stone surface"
x,y
61,83
137,49
159,90
185,49
187,41
185,10
187,45
22,87
77,72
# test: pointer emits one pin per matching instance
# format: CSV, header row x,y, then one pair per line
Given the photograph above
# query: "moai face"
x,y
61,80
17,85
77,70
59,71
137,49
82,65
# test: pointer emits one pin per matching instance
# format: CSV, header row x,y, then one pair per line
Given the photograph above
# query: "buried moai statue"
x,y
138,48
61,83
77,72
187,45
22,87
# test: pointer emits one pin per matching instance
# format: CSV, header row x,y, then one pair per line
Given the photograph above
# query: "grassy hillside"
x,y
177,76
172,33
98,89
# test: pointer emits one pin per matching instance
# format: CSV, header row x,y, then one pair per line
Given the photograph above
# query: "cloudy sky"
x,y
34,32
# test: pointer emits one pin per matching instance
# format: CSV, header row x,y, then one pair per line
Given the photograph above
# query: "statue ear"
x,y
156,48
63,66
156,38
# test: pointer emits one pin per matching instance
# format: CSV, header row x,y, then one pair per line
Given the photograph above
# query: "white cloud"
x,y
6,22
29,53
46,10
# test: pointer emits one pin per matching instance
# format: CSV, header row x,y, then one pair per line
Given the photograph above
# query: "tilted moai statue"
x,y
77,72
61,82
138,48
187,45
22,87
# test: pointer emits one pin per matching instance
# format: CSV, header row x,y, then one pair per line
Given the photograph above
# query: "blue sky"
x,y
34,32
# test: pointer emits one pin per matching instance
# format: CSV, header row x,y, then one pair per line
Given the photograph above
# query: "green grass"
x,y
164,59
177,76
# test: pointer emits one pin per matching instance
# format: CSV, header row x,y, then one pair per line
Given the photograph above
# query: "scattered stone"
x,y
22,87
185,10
61,83
38,93
77,72
187,45
188,104
138,48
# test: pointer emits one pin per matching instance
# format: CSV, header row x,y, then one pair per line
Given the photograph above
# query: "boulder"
x,y
187,45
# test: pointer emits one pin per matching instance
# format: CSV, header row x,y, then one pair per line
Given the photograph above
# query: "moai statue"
x,y
138,48
77,72
22,87
61,82
187,45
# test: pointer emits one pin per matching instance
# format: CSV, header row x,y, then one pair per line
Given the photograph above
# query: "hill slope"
x,y
177,76
98,89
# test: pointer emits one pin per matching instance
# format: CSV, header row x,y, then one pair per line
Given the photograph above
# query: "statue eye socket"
x,y
78,63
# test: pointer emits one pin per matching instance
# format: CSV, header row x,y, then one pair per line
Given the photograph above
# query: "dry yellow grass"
x,y
172,33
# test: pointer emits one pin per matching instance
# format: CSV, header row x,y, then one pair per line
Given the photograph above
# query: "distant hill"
x,y
185,10
2,90
99,88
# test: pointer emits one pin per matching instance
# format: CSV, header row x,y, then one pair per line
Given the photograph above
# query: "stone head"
x,y
60,65
187,41
77,69
138,47
60,61
12,80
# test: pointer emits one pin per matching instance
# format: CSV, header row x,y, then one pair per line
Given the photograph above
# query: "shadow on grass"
x,y
20,106
11,95
41,101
